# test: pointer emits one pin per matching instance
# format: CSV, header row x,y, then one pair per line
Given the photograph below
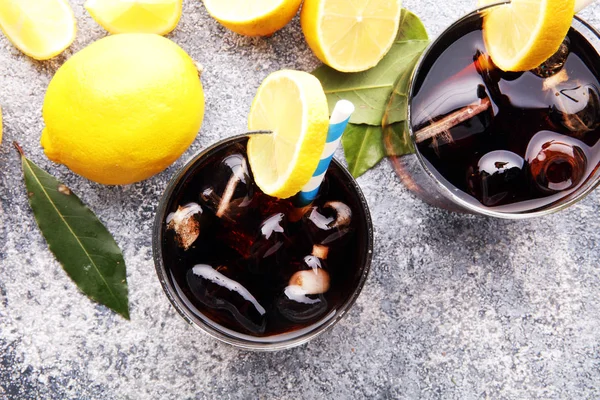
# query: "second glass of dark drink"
x,y
256,271
505,144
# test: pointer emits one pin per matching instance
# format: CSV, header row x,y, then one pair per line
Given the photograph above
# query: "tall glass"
x,y
419,174
223,247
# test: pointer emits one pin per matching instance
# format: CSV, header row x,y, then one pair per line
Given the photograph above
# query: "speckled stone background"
x,y
456,307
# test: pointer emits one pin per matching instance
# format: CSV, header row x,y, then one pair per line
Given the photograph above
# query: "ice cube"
x,y
577,107
185,222
555,63
556,162
264,253
496,177
215,290
230,194
267,205
325,225
295,305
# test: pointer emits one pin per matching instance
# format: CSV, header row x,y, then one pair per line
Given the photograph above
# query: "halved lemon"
x,y
523,34
41,29
293,106
136,16
350,36
253,17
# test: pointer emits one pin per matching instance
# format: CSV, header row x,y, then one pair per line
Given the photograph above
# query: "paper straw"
x,y
337,124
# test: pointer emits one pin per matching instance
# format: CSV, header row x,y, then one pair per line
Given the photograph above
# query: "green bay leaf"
x,y
77,238
396,109
370,90
363,147
396,139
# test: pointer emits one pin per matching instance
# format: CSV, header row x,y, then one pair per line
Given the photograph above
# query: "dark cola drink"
x,y
522,140
258,265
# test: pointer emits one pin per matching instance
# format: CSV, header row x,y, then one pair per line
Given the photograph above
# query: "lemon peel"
x,y
253,18
112,119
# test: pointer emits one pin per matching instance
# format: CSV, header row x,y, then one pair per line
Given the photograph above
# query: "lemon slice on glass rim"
x,y
521,35
293,106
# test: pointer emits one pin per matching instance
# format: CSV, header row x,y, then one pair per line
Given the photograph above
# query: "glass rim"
x,y
258,345
448,192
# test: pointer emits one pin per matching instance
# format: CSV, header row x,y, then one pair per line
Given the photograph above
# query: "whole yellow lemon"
x,y
123,109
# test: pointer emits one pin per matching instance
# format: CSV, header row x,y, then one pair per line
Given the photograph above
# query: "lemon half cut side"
x,y
293,106
521,35
41,29
350,36
137,16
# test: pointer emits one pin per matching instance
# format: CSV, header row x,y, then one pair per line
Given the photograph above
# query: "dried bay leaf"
x,y
77,238
370,90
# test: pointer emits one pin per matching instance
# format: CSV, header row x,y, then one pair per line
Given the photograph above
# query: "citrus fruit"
x,y
293,106
41,29
523,34
350,36
123,109
136,16
253,18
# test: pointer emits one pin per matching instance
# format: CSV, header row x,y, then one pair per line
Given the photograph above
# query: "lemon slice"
x,y
253,17
136,16
350,36
293,105
41,29
523,34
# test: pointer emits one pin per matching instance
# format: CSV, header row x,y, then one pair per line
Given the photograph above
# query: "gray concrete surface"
x,y
456,307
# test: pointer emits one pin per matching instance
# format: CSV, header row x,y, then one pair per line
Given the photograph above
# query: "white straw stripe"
x,y
330,148
337,123
314,182
341,112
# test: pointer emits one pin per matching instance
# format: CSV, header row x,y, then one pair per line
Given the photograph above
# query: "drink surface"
x,y
233,261
511,141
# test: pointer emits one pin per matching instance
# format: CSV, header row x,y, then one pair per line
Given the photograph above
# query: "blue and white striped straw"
x,y
337,124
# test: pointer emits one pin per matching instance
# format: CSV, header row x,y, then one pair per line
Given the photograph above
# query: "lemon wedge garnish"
x,y
253,17
293,106
41,29
136,16
350,36
523,34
